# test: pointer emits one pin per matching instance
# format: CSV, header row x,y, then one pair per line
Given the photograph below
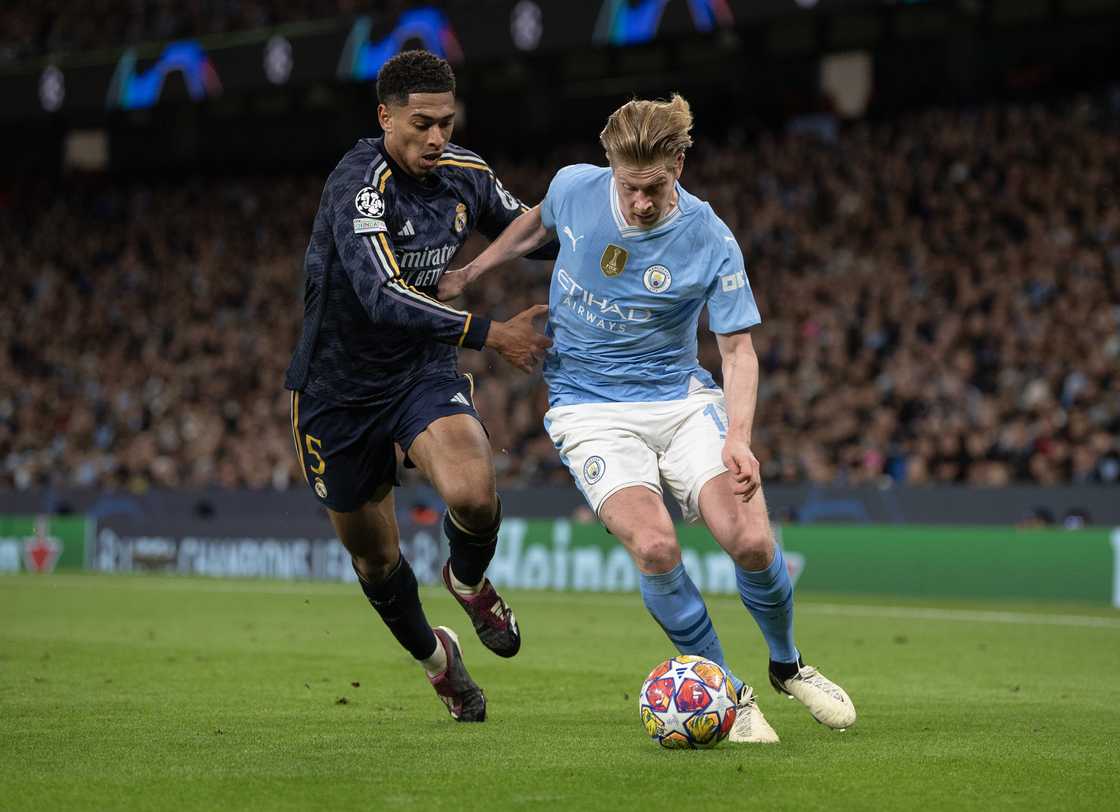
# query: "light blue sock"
x,y
676,604
768,596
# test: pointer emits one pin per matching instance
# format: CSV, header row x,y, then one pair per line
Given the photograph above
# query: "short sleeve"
x,y
731,304
553,202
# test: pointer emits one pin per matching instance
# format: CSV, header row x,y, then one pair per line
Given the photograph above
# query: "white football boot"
x,y
826,701
750,725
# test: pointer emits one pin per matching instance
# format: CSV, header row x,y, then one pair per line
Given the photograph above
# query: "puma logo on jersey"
x,y
461,399
572,237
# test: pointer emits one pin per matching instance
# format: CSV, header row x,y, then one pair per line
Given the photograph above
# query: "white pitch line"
x,y
965,615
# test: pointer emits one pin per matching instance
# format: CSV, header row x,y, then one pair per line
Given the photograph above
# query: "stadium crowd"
x,y
940,300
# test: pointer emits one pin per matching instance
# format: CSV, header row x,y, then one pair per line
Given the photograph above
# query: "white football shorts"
x,y
610,446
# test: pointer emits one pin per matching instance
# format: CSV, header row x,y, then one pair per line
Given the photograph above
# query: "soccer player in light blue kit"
x,y
630,405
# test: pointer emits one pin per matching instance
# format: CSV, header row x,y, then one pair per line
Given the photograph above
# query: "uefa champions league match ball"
x,y
687,702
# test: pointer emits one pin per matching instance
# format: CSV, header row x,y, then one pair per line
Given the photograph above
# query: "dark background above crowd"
x,y
31,29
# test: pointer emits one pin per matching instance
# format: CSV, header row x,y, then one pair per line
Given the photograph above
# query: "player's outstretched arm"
x,y
517,341
523,236
740,389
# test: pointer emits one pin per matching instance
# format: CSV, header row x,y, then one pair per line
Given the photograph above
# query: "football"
x,y
687,702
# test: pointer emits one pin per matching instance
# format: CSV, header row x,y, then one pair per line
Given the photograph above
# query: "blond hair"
x,y
643,132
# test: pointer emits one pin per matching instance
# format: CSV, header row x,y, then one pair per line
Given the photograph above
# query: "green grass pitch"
x,y
167,693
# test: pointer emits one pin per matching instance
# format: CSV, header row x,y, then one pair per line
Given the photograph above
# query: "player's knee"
x,y
474,507
374,566
753,550
657,552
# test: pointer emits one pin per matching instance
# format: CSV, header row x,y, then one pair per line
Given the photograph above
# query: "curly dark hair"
x,y
413,72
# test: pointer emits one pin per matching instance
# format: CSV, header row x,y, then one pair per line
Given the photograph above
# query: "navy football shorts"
x,y
347,452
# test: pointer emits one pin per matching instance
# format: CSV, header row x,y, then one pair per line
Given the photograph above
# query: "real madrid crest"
x,y
320,488
657,279
613,261
460,218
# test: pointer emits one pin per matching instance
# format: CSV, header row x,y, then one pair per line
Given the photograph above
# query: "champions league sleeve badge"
x,y
369,203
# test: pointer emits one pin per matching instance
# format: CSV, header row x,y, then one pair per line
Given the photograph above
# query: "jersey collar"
x,y
431,187
637,232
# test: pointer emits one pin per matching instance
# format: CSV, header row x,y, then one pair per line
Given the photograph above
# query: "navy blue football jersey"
x,y
381,240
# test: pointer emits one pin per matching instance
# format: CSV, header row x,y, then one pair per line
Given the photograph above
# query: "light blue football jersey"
x,y
625,301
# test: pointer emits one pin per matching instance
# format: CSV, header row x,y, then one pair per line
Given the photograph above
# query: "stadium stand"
x,y
940,297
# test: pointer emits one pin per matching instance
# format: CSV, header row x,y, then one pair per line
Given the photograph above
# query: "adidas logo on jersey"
x,y
407,230
461,399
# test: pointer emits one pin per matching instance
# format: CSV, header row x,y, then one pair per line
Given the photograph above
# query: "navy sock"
x,y
397,600
768,596
676,604
471,550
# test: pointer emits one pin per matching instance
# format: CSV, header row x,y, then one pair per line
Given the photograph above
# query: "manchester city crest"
x,y
460,218
594,469
369,202
613,261
657,279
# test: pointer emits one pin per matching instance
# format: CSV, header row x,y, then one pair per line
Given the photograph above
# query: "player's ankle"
x,y
437,663
784,670
466,590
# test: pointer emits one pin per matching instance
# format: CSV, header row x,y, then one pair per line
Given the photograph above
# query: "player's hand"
x,y
452,283
517,341
746,474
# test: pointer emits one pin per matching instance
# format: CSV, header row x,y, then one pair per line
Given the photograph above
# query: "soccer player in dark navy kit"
x,y
376,365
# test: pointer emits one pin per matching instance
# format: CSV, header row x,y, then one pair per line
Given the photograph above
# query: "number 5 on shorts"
x,y
313,443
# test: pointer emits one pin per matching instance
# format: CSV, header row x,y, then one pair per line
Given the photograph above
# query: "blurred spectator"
x,y
940,299
1039,517
1076,519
